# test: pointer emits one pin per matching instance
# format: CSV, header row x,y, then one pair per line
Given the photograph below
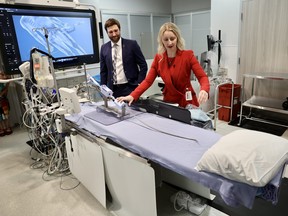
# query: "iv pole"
x,y
52,70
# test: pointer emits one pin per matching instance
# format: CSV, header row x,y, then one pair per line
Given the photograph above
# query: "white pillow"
x,y
246,156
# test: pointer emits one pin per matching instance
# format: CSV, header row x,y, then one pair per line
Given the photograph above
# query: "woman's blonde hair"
x,y
169,26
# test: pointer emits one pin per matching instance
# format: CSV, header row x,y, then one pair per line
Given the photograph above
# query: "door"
x,y
264,44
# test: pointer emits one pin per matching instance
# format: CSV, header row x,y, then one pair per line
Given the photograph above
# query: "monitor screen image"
x,y
70,35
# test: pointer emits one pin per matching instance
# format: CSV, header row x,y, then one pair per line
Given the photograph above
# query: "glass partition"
x,y
140,27
194,27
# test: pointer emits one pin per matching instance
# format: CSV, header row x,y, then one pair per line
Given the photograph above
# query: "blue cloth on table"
x,y
179,149
199,115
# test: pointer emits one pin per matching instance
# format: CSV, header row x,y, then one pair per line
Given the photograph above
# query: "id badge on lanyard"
x,y
188,95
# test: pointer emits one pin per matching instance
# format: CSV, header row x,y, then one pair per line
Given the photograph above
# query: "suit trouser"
x,y
122,89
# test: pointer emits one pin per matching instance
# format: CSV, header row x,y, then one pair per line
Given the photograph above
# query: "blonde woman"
x,y
174,65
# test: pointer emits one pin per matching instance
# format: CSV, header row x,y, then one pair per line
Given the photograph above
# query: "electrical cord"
x,y
70,188
48,150
56,161
149,127
48,142
26,116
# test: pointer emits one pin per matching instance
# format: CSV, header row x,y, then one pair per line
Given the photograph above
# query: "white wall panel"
x,y
225,16
159,6
180,6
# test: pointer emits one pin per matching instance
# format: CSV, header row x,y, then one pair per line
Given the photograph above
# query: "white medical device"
x,y
69,102
107,94
42,71
25,69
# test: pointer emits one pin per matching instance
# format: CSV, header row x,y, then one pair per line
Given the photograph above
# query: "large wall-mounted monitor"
x,y
72,35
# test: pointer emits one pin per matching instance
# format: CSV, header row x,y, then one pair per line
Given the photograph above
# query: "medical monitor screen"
x,y
68,35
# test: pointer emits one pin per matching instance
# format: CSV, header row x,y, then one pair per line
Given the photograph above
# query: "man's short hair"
x,y
110,22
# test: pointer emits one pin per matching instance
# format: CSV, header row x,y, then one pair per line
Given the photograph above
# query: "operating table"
x,y
126,169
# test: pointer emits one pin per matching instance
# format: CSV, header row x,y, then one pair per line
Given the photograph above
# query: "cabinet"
x,y
122,181
98,164
259,102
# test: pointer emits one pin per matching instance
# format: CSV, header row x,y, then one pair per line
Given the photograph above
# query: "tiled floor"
x,y
223,128
28,191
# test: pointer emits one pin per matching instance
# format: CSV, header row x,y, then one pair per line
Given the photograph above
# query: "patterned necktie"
x,y
114,60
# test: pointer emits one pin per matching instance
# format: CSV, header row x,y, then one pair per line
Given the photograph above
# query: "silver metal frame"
x,y
262,103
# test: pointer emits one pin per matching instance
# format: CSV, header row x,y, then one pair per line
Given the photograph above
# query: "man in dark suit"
x,y
122,64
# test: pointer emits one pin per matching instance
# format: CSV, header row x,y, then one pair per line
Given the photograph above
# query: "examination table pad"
x,y
173,145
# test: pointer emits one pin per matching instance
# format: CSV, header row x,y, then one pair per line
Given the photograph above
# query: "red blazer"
x,y
176,78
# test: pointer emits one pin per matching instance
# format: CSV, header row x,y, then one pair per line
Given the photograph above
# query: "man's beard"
x,y
115,39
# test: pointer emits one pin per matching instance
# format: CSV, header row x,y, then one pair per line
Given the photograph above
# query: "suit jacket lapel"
x,y
110,56
168,73
123,50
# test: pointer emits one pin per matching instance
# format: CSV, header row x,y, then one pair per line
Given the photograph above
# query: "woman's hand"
x,y
202,97
128,99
